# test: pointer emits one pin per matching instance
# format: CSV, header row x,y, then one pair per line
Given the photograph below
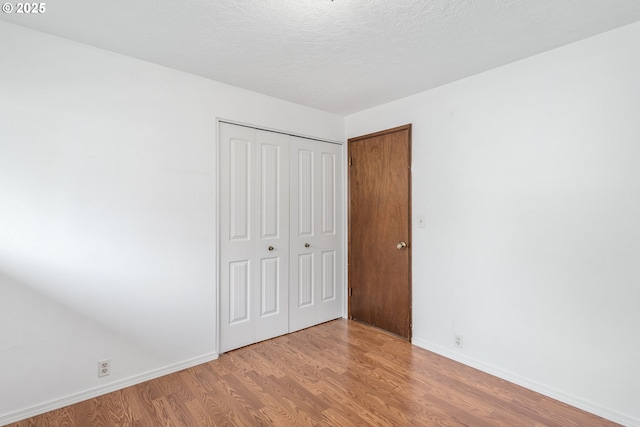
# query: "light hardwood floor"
x,y
340,373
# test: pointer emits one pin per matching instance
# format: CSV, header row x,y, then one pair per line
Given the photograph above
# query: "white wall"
x,y
529,178
108,215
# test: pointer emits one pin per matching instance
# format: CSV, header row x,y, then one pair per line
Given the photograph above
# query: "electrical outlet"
x,y
104,368
457,341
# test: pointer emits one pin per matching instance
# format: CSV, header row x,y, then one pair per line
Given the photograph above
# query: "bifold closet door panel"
x,y
237,265
254,235
316,274
272,225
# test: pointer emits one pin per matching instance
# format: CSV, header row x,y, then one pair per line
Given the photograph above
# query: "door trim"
x,y
247,125
384,132
408,128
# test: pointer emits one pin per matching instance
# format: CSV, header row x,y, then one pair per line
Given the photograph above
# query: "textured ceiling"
x,y
340,56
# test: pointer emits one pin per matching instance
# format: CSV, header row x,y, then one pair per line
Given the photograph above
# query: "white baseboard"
x,y
531,385
107,388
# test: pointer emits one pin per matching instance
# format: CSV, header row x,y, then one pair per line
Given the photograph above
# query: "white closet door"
x,y
254,235
316,279
272,243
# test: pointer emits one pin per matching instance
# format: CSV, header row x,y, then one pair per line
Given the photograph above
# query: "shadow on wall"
x,y
45,343
127,247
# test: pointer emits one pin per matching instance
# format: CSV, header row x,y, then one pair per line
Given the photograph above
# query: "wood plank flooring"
x,y
340,373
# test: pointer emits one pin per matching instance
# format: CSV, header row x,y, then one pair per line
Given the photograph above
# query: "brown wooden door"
x,y
379,220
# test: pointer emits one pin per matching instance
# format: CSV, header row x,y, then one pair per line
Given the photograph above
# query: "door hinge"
x,y
350,161
350,291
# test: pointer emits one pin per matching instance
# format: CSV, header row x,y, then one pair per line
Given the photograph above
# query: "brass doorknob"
x,y
306,245
270,248
401,245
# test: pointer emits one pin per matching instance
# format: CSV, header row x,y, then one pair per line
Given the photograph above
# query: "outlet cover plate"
x,y
104,368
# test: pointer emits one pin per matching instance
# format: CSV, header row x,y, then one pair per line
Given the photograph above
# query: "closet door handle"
x,y
271,248
306,245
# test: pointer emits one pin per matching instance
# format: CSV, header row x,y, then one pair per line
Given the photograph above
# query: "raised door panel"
x,y
328,190
239,292
316,245
240,189
328,278
304,191
306,280
270,288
